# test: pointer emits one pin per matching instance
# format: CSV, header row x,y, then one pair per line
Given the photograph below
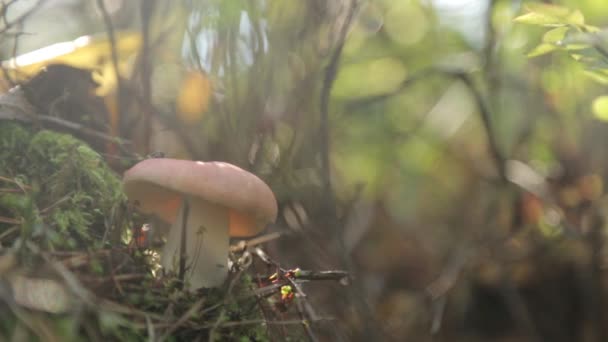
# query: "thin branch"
x,y
338,275
173,125
602,50
486,120
244,245
330,75
183,319
82,129
9,220
228,324
20,19
305,310
518,308
483,108
114,56
146,10
120,308
218,322
303,306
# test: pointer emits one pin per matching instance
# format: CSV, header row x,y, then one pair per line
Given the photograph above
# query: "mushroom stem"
x,y
206,243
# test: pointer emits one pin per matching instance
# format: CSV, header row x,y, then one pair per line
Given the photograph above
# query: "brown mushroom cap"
x,y
157,186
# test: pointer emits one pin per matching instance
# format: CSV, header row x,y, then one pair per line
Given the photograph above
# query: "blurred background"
x,y
447,155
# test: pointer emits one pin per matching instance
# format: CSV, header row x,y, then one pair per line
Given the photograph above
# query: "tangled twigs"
x,y
227,297
184,318
73,273
11,220
288,285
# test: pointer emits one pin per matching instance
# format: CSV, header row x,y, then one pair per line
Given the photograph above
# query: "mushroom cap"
x,y
158,186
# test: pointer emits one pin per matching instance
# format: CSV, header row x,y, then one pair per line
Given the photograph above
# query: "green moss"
x,y
64,197
69,188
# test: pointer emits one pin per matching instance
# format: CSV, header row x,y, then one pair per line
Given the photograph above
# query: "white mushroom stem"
x,y
206,244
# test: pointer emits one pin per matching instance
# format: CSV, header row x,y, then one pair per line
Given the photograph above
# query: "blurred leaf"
x,y
548,9
555,35
369,78
550,15
575,47
600,107
40,294
538,19
406,17
284,134
590,58
581,41
109,321
576,18
580,38
542,49
283,15
371,18
597,76
193,98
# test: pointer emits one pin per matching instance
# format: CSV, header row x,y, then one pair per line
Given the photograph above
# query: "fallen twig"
x,y
183,319
81,128
244,245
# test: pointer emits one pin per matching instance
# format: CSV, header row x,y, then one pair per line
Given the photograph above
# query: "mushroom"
x,y
206,203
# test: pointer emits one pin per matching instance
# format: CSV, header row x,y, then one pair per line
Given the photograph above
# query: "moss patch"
x,y
57,187
60,204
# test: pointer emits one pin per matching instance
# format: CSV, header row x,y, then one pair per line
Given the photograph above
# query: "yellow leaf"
x,y
550,15
193,98
87,52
